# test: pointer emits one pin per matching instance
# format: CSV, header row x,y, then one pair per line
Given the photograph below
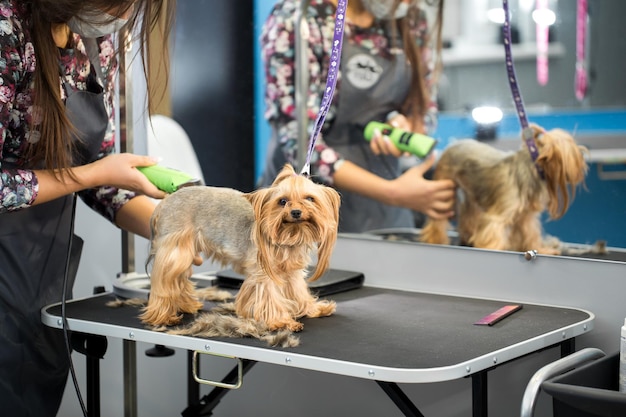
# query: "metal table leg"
x,y
400,399
568,347
130,378
93,347
480,404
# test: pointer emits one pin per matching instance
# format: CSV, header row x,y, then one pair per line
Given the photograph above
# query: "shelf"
x,y
482,54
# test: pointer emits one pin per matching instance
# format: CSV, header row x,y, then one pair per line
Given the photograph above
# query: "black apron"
x,y
371,87
34,245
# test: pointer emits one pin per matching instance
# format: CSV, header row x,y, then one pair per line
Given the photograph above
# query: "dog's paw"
x,y
160,312
158,319
295,326
289,324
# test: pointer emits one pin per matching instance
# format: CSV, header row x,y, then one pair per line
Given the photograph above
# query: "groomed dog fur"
x,y
268,236
503,194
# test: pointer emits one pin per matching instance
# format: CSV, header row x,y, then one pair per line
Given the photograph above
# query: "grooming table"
x,y
383,335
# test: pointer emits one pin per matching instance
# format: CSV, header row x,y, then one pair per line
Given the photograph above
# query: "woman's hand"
x,y
117,170
410,190
381,144
120,171
434,198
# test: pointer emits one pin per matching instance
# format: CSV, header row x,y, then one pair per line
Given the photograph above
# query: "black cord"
x,y
63,313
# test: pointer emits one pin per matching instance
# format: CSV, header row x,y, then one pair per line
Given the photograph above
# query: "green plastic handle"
x,y
414,143
167,179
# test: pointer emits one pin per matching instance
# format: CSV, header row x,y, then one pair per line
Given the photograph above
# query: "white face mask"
x,y
382,9
96,26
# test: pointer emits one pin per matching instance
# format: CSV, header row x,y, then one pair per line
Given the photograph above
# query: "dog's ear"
x,y
265,250
564,167
256,199
259,199
334,201
328,232
286,172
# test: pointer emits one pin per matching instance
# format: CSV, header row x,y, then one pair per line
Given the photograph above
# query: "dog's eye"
x,y
282,202
311,199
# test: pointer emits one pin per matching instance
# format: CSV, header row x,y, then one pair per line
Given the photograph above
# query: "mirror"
x,y
474,54
475,75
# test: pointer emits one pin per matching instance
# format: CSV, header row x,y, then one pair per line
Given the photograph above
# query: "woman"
x,y
385,74
57,75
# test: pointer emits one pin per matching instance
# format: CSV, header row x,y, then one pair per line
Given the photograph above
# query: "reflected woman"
x,y
387,74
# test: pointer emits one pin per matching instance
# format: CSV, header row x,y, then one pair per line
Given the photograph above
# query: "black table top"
x,y
375,327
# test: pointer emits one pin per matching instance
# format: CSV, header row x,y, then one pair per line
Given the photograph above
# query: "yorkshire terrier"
x,y
268,236
503,194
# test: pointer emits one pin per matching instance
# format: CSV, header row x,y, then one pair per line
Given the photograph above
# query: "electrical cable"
x,y
63,310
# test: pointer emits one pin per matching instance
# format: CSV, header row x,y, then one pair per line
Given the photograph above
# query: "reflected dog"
x,y
503,194
268,236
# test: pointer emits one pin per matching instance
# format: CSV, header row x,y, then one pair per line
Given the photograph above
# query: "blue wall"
x,y
579,122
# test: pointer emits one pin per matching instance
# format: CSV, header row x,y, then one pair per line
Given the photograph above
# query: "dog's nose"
x,y
296,214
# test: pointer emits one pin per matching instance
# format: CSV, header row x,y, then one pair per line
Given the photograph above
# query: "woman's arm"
x,y
134,216
410,190
421,31
118,170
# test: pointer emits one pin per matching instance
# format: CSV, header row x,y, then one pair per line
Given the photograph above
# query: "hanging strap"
x,y
580,82
527,132
543,34
93,52
331,82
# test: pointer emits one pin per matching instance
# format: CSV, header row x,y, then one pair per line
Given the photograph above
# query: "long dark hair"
x,y
54,146
416,103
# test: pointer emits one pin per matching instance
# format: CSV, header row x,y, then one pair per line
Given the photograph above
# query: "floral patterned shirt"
x,y
18,183
278,52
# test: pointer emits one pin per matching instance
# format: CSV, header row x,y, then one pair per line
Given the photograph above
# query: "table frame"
x,y
387,379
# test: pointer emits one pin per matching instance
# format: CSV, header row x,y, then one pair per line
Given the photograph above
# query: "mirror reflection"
x,y
474,77
474,85
474,56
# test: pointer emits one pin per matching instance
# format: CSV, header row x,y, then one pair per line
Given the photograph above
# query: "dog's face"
x,y
563,163
296,212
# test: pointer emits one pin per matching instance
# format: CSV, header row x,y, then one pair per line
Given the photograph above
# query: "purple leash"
x,y
527,132
331,82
